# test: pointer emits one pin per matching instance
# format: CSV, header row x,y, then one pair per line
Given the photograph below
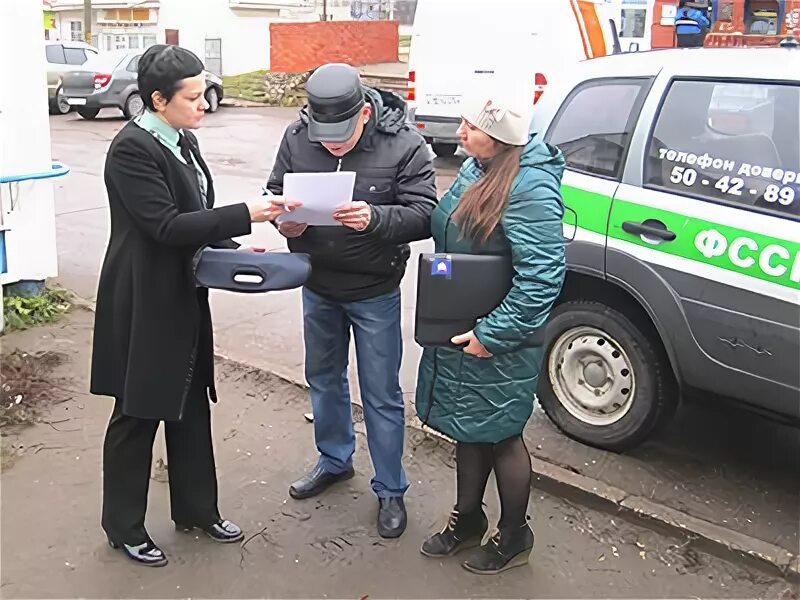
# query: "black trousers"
x,y
127,458
691,40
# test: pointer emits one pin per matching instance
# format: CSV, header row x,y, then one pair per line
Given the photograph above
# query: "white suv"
x,y
682,196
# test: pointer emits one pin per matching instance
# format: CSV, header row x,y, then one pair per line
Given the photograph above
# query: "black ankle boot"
x,y
509,547
462,531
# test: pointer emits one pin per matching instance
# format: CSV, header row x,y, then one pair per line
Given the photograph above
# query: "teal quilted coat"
x,y
489,400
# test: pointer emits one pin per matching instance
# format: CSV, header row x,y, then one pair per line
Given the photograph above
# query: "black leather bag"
x,y
251,272
454,291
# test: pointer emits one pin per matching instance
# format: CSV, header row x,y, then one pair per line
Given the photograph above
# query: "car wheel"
x,y
212,97
603,381
88,113
134,106
59,105
444,150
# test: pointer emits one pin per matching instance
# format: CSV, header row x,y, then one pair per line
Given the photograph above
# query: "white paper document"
x,y
320,193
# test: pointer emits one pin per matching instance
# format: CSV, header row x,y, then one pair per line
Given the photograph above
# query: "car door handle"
x,y
651,227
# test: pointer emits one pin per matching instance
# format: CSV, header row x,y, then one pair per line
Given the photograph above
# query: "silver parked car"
x,y
109,80
63,56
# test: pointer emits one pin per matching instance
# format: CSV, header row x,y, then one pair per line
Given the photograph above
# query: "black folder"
x,y
454,291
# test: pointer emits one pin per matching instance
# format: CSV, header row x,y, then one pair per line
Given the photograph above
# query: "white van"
x,y
461,46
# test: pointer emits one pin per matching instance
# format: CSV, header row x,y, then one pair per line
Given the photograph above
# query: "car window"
x,y
75,56
731,142
133,66
594,124
106,62
55,54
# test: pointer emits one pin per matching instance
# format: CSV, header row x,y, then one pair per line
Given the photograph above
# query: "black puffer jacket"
x,y
394,173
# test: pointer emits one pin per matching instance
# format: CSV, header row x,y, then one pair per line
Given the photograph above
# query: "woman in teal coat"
x,y
505,201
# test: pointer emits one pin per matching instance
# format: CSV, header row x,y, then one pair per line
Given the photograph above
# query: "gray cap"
x,y
335,100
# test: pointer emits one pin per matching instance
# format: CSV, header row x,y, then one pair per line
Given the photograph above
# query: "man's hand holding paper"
x,y
356,215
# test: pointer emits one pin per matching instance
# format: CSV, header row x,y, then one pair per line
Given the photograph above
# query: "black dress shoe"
x,y
146,553
392,518
316,482
463,531
223,531
507,548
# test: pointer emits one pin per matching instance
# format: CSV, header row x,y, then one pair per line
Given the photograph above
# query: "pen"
x,y
266,192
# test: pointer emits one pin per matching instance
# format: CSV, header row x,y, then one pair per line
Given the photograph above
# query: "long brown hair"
x,y
482,204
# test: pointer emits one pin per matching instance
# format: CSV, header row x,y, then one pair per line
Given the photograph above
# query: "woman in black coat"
x,y
153,347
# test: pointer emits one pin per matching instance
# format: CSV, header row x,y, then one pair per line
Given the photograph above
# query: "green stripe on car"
x,y
752,254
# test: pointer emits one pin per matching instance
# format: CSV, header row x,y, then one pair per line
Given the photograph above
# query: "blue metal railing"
x,y
57,170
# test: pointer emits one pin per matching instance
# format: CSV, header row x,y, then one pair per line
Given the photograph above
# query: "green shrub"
x,y
21,312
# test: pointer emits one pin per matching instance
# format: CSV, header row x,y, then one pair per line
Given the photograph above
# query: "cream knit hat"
x,y
504,120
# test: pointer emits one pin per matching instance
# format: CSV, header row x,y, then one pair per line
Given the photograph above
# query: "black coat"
x,y
394,173
153,325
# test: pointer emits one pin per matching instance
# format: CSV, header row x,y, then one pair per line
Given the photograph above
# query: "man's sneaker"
x,y
316,482
392,517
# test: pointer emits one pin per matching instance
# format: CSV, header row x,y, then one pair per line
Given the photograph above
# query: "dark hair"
x,y
482,205
162,68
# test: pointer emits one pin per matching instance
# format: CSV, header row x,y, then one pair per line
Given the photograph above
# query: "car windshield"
x,y
106,62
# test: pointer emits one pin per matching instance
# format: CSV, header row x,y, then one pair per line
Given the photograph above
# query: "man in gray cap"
x,y
356,273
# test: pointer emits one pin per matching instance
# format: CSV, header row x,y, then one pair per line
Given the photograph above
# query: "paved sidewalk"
x,y
52,545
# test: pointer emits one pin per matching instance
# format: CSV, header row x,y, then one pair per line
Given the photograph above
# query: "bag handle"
x,y
248,275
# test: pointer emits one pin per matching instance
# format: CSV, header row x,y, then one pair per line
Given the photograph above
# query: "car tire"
x,y
88,113
134,105
212,98
444,150
631,391
58,105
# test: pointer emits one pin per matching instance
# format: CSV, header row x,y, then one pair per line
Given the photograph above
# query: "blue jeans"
x,y
379,347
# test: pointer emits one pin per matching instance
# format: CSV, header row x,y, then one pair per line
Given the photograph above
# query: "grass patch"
x,y
21,312
247,86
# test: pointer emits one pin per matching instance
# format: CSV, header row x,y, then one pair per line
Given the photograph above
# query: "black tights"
x,y
512,469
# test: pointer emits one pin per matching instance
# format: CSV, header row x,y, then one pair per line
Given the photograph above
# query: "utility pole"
x,y
87,21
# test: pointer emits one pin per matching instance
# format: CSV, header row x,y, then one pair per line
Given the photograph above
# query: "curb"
x,y
241,103
562,482
715,539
